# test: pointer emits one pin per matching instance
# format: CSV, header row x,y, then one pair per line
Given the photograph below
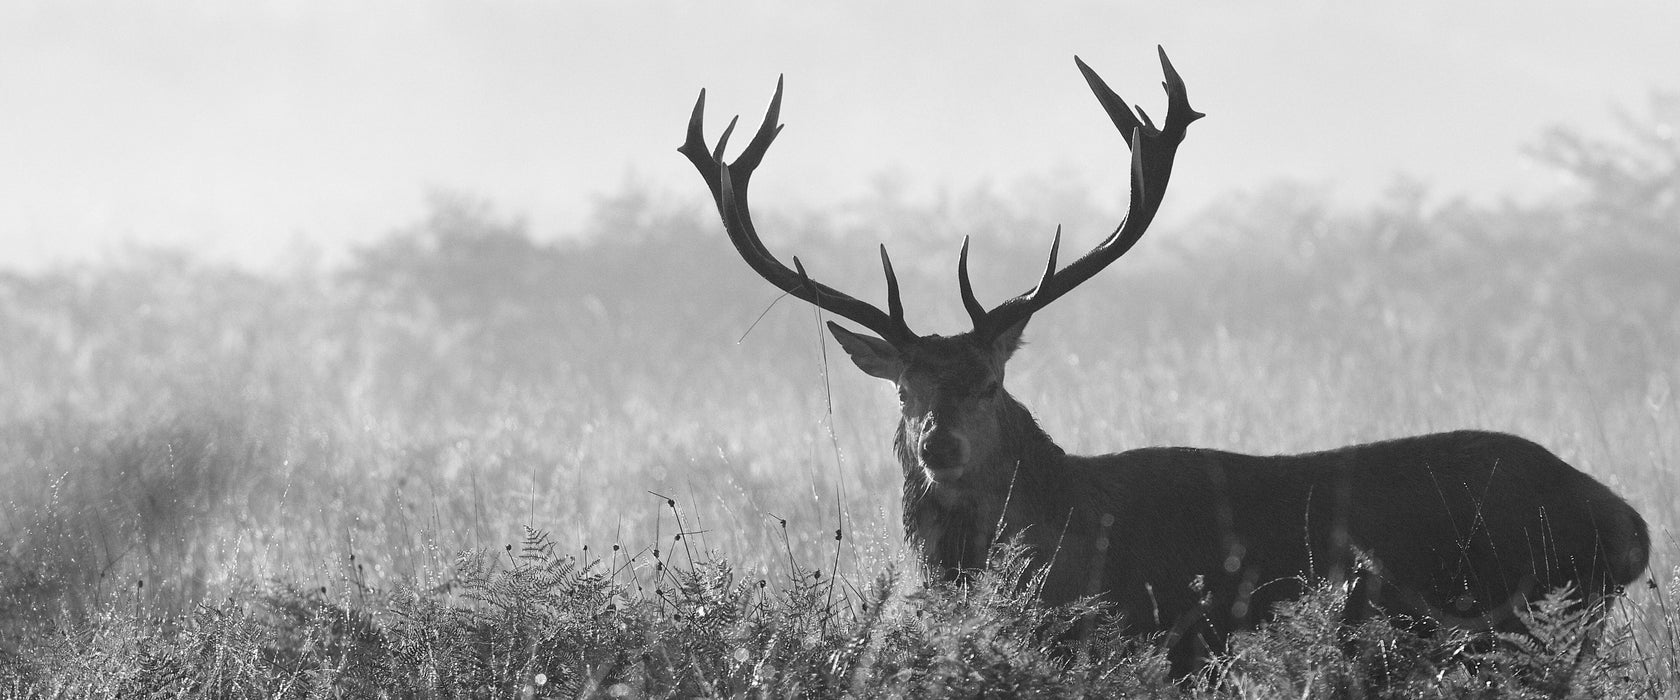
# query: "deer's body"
x,y
1191,541
1460,527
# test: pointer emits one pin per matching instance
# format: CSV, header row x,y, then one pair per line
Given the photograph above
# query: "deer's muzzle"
x,y
942,452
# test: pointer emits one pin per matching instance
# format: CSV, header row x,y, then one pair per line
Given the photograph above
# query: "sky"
x,y
249,131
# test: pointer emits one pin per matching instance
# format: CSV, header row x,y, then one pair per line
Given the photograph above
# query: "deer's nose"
x,y
941,449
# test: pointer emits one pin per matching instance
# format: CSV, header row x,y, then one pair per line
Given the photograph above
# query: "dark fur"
x,y
1195,542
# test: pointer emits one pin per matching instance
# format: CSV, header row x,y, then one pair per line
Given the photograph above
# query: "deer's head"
x,y
950,395
950,387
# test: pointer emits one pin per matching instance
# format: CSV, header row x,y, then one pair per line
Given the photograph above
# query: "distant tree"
x,y
1625,243
1634,180
462,260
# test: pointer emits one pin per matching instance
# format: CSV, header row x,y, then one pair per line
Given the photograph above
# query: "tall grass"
x,y
174,434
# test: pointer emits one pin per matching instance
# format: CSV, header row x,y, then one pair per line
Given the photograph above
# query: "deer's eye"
x,y
903,395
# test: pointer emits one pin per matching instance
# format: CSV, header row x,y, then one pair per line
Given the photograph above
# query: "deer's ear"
x,y
1008,341
876,357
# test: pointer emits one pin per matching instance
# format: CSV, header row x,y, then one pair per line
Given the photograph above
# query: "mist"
x,y
263,133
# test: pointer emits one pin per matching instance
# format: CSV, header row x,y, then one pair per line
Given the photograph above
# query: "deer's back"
x,y
1462,518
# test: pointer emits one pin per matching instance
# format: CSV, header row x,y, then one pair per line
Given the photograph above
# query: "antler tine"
x,y
895,305
1178,99
976,312
1111,102
723,139
1153,150
728,184
1044,282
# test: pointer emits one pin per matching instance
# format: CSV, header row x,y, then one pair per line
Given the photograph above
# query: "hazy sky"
x,y
240,128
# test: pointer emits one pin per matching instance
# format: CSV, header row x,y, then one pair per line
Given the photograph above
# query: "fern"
x,y
528,621
1565,652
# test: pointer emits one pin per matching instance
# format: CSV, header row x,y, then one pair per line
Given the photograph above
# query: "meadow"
x,y
284,483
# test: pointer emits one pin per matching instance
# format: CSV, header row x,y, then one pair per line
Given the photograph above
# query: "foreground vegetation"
x,y
533,623
218,483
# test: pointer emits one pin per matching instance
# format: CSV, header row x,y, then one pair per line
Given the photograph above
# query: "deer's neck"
x,y
956,523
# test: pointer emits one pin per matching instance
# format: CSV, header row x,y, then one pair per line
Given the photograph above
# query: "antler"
x,y
728,182
1152,159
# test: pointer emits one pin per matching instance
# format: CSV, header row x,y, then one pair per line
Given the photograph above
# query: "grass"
x,y
468,464
530,622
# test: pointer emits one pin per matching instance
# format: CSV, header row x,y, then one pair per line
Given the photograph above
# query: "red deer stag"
x,y
1461,527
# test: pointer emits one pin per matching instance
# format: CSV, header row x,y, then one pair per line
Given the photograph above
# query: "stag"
x,y
1459,527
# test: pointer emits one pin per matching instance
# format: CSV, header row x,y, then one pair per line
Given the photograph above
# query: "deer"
x,y
1189,544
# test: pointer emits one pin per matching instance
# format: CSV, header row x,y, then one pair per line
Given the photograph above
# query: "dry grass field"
x,y
174,433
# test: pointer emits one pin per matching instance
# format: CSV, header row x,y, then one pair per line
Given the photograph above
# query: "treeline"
x,y
1593,273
